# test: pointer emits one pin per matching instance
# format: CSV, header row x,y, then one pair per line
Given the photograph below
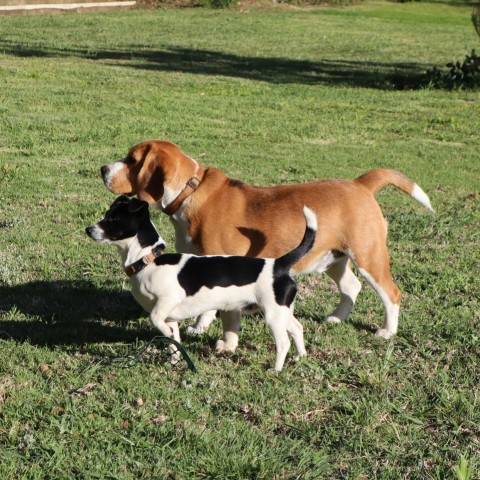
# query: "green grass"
x,y
269,96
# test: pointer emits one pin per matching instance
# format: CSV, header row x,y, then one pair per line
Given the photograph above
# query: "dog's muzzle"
x,y
105,173
95,233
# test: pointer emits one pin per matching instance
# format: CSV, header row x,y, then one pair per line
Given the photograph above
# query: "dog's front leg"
x,y
175,352
231,327
159,319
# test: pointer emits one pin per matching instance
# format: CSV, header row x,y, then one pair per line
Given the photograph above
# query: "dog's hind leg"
x,y
377,273
295,329
231,327
201,323
349,286
278,319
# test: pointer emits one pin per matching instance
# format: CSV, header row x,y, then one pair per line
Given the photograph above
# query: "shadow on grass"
x,y
369,74
79,315
68,313
362,326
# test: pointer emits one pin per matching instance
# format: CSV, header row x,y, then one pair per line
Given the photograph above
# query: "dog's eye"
x,y
129,160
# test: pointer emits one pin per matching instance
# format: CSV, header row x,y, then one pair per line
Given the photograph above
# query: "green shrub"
x,y
170,3
217,3
461,75
188,3
320,2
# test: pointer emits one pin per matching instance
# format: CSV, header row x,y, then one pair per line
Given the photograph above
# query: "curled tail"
x,y
292,257
376,179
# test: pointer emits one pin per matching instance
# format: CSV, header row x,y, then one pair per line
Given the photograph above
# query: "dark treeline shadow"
x,y
348,72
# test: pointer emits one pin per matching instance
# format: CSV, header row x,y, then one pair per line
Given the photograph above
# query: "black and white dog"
x,y
176,286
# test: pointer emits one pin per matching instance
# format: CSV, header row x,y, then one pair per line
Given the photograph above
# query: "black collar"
x,y
139,265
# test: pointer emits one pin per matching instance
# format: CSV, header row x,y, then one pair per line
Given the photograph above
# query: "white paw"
x,y
384,333
175,357
193,331
298,356
175,354
223,347
332,319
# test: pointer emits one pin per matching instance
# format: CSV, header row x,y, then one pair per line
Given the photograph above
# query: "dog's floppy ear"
x,y
150,178
136,205
117,201
121,199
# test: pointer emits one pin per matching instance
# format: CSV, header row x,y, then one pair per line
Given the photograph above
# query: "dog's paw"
x,y
384,333
223,347
175,357
274,371
332,319
193,331
298,356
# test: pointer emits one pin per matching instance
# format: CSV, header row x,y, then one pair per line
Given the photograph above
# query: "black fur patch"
x,y
147,235
219,271
285,290
168,259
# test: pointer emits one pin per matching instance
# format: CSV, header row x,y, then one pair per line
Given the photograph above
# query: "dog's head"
x,y
155,171
124,220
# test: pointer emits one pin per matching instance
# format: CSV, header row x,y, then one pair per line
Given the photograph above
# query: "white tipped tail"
x,y
286,261
311,218
378,178
420,196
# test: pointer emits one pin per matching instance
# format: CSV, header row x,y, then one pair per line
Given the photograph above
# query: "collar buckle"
x,y
139,265
190,186
193,182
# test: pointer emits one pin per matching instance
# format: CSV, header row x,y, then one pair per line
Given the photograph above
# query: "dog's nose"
x,y
104,170
89,230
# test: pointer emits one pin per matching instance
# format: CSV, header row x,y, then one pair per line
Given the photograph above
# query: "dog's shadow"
x,y
78,314
50,313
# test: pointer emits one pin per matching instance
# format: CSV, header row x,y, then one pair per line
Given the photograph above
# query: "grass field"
x,y
270,96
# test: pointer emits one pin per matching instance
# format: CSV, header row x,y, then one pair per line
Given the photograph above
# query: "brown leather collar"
x,y
189,188
135,267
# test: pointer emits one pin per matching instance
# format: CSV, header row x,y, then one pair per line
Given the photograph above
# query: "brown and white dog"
x,y
213,214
